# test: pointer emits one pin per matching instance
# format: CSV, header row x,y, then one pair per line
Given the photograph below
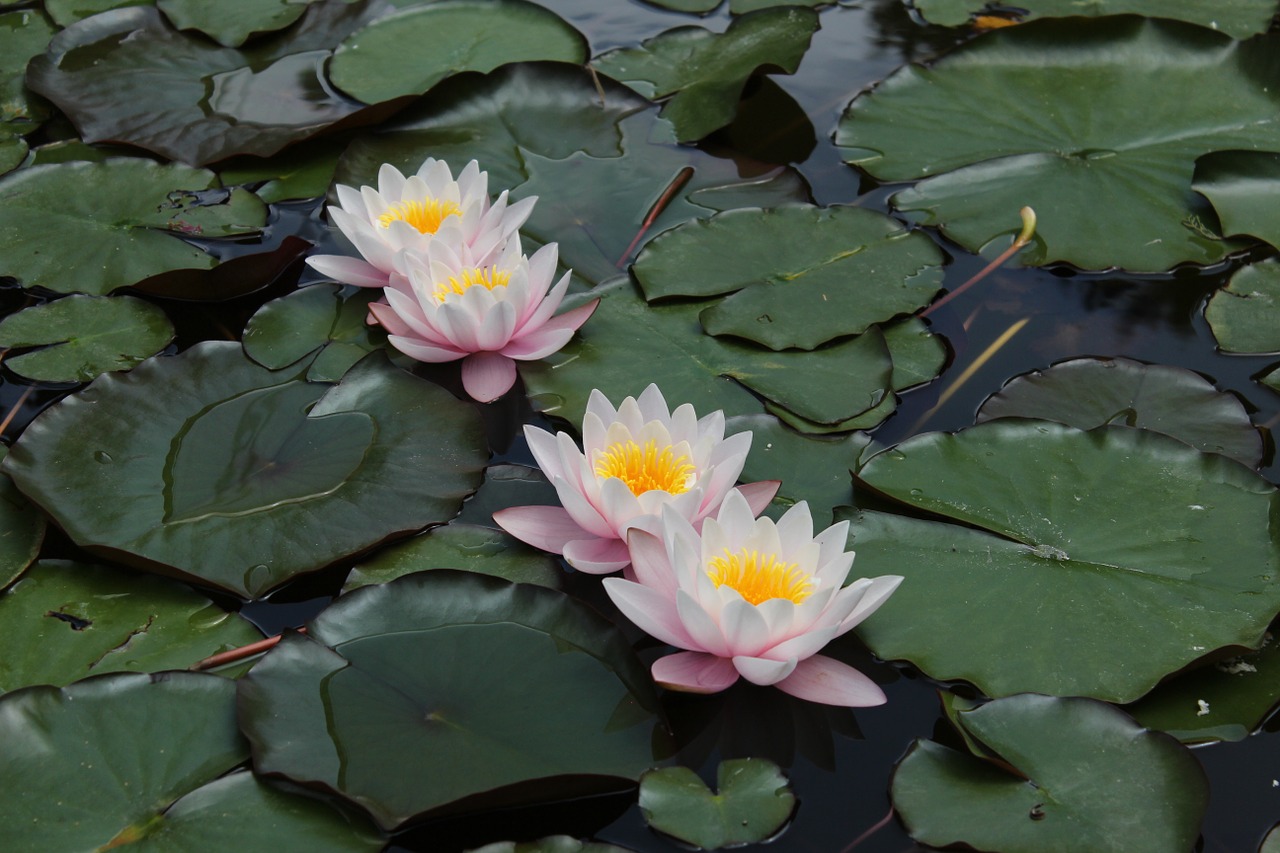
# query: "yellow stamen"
x,y
425,216
486,277
759,577
646,468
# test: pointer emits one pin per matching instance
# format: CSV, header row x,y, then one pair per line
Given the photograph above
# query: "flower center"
x,y
646,468
486,277
425,216
759,577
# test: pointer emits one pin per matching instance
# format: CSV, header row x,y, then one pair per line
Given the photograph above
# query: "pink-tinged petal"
x,y
650,563
761,671
650,611
795,529
545,450
529,340
385,316
744,628
533,346
803,645
702,628
425,352
759,494
549,528
692,672
495,329
348,270
618,504
458,326
597,556
486,376
598,404
543,304
881,588
830,682
583,510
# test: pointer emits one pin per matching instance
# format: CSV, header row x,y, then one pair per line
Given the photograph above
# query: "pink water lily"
x,y
636,461
411,213
750,599
490,310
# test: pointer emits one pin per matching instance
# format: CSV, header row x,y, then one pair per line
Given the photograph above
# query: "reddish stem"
x,y
677,183
237,655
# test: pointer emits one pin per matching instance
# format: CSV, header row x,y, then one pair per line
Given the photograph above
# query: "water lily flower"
x,y
449,304
750,599
636,460
411,213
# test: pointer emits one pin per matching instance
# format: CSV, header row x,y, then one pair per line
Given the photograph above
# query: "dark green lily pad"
x,y
110,219
506,485
703,72
128,76
63,621
305,170
797,277
84,336
22,528
445,691
1237,18
67,12
538,128
1245,315
244,477
629,344
1073,774
467,547
23,34
1237,695
233,22
286,330
697,7
1136,594
448,37
1242,186
1090,392
1104,157
129,760
741,7
550,844
752,801
13,151
1271,844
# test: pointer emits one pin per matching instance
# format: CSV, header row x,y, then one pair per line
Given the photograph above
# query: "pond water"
x,y
840,761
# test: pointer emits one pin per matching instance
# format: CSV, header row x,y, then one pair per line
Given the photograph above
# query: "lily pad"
x,y
1245,315
1090,392
67,12
84,336
222,470
286,330
233,22
303,171
467,547
443,691
507,485
135,760
22,528
23,34
752,801
448,37
550,844
1237,18
1240,185
703,72
1072,775
1226,700
741,7
110,219
128,76
64,621
797,277
698,7
629,344
1050,517
1104,157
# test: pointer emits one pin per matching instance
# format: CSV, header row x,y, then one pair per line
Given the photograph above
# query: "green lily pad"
x,y
507,485
467,547
135,760
13,151
448,37
703,73
286,330
1074,773
752,801
629,344
22,529
23,34
1104,157
243,477
85,336
1050,517
538,128
1226,700
443,691
741,7
1237,18
1090,392
233,22
63,621
1245,315
110,220
550,844
303,171
128,76
67,12
1241,186
697,7
1271,843
797,277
